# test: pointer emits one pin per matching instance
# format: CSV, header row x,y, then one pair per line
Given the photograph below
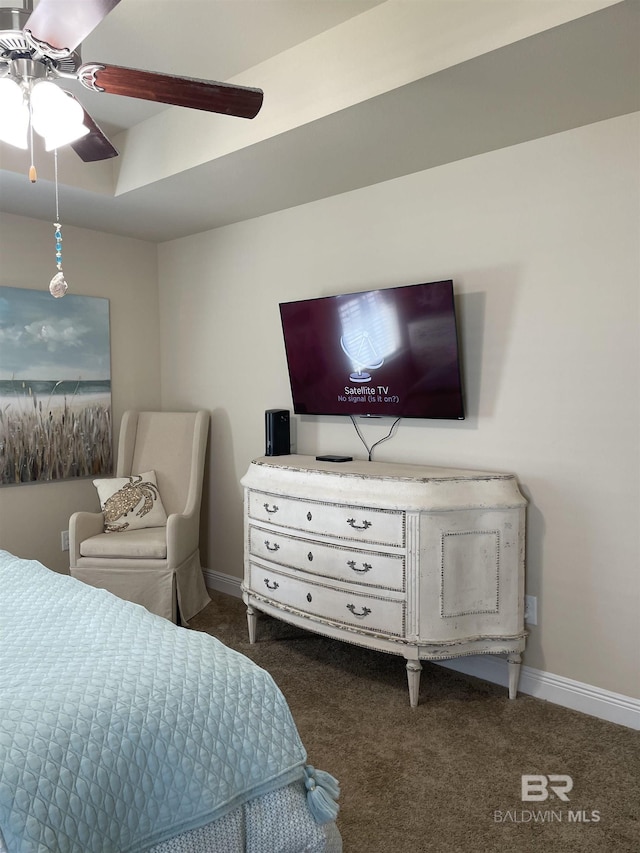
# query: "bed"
x,y
120,732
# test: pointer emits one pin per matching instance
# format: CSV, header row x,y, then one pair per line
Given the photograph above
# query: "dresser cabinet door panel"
x,y
471,584
363,524
371,568
357,609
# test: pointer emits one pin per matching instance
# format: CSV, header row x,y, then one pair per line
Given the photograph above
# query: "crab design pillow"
x,y
131,503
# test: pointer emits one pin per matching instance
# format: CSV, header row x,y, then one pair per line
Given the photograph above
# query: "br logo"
x,y
539,788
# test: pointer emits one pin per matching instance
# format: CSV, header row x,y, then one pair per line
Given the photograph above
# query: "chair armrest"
x,y
183,535
82,525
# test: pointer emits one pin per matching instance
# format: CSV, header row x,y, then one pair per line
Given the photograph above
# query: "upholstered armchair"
x,y
157,566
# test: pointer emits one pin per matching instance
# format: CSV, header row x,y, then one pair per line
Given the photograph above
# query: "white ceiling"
x,y
209,39
356,92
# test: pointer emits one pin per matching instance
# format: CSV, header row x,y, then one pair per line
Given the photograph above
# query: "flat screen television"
x,y
390,352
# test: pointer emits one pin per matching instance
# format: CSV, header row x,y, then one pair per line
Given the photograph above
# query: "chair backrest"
x,y
172,444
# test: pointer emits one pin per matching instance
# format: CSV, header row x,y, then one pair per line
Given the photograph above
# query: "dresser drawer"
x,y
363,524
370,568
360,610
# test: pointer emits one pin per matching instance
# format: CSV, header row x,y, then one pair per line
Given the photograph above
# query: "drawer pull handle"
x,y
352,523
271,509
309,597
309,516
310,557
365,611
366,567
271,547
271,585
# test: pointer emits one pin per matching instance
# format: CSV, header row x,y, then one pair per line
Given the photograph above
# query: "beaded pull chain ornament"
x,y
58,286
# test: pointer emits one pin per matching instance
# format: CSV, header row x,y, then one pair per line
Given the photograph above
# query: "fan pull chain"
x,y
33,175
58,286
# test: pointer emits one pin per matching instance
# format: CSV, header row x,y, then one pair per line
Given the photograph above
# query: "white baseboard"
x,y
220,582
604,704
614,707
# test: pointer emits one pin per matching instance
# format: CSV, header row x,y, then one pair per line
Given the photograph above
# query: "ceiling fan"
x,y
42,46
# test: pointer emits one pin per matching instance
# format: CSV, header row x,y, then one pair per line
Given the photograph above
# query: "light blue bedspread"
x,y
119,730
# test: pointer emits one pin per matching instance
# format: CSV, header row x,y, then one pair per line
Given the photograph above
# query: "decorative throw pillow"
x,y
131,503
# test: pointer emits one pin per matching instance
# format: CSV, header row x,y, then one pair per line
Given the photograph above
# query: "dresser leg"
x,y
252,621
414,668
514,661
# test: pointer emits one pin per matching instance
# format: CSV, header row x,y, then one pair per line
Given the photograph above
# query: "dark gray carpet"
x,y
445,776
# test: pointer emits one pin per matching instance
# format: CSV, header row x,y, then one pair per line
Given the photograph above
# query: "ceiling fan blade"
x,y
63,24
240,101
95,145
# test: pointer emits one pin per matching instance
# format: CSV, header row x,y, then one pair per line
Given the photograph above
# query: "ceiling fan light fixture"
x,y
14,114
56,115
64,136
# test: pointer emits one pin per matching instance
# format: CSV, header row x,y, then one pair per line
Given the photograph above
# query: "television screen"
x,y
390,352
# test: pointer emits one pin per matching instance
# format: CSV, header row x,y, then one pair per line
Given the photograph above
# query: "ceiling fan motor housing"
x,y
14,45
12,40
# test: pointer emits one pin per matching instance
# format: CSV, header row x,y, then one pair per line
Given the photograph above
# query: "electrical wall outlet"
x,y
64,540
531,609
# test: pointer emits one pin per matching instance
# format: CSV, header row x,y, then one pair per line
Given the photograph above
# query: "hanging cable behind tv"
x,y
375,444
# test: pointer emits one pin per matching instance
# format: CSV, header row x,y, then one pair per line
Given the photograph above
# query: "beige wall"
x,y
125,272
542,243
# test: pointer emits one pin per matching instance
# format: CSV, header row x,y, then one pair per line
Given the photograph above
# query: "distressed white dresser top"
x,y
383,484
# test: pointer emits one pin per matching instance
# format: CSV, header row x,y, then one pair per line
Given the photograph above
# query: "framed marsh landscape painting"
x,y
55,387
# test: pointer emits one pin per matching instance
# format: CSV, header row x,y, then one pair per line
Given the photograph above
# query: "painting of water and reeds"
x,y
55,387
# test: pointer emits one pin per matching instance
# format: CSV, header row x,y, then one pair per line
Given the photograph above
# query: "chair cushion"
x,y
149,544
131,503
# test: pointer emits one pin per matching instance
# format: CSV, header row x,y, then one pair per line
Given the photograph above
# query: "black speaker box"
x,y
277,432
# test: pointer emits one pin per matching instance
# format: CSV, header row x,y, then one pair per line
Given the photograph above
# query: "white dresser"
x,y
423,562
